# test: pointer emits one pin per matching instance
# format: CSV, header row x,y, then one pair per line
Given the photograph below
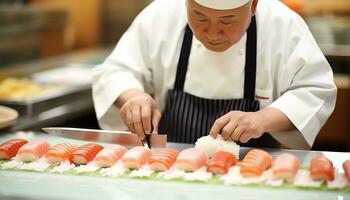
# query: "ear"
x,y
254,5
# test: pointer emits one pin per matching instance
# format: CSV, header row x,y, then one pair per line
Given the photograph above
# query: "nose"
x,y
213,31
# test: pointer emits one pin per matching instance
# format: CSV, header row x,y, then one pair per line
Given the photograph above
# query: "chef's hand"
x,y
139,112
243,126
238,126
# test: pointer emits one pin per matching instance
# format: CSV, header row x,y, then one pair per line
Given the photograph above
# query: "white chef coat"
x,y
293,75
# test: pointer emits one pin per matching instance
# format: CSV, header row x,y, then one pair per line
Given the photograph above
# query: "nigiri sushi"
x,y
136,157
210,145
255,163
9,148
346,167
109,155
220,162
60,152
86,153
321,168
162,159
285,167
191,159
32,151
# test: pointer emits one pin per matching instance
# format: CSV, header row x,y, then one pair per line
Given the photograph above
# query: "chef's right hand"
x,y
139,112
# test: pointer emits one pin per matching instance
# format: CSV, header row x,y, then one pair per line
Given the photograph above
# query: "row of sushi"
x,y
285,166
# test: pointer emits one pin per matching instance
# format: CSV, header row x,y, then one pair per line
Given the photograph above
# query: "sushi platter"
x,y
41,166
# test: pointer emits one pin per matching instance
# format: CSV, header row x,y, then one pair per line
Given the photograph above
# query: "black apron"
x,y
187,117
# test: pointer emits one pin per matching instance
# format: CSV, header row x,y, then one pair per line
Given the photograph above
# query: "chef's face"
x,y
218,30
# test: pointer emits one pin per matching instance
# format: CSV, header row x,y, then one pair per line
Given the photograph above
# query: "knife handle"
x,y
148,140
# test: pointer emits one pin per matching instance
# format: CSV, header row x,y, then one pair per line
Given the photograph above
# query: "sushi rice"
x,y
211,145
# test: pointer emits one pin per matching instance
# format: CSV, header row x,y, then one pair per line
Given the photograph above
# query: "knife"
x,y
124,138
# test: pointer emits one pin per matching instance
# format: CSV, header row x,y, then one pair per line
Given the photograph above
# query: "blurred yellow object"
x,y
20,89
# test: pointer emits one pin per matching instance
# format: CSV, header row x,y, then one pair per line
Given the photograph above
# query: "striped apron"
x,y
187,117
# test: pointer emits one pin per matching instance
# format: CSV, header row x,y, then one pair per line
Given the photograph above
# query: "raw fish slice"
x,y
10,148
255,163
220,162
136,157
321,168
60,153
346,167
163,159
32,151
191,159
172,152
285,167
85,153
110,155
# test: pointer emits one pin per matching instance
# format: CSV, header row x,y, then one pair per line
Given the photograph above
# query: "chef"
x,y
249,70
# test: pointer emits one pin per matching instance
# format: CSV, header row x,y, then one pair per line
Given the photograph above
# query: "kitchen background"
x,y
48,48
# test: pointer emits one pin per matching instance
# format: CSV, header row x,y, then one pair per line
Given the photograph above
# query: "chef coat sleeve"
x,y
127,67
305,89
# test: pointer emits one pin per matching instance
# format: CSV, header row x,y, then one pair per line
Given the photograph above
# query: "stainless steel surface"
x,y
116,137
37,105
70,104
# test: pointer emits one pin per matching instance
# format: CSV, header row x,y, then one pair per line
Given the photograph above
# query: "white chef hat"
x,y
222,4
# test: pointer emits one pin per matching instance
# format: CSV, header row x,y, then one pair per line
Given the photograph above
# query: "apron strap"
x,y
183,60
250,62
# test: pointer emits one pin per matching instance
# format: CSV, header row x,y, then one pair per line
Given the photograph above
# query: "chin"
x,y
219,48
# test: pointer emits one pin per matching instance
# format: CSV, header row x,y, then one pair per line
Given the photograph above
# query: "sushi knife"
x,y
147,141
116,137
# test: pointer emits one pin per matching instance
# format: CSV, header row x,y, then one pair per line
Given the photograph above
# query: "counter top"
x,y
34,185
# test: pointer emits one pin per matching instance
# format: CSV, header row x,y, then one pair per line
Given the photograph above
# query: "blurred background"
x,y
48,48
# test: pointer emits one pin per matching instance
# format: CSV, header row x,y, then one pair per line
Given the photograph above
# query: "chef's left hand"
x,y
239,126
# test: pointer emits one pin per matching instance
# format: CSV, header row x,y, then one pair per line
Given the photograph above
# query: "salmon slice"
x,y
86,153
220,162
346,167
32,151
9,148
162,159
110,155
136,157
191,159
255,163
285,167
321,168
60,152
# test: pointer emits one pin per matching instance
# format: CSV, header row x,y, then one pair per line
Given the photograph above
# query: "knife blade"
x,y
124,138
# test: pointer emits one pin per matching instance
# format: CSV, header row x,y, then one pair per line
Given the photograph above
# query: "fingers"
x,y
237,133
219,124
136,118
155,121
227,131
146,119
245,137
139,115
127,118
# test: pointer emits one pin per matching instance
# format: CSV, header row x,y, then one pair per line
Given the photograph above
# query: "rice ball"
x,y
211,145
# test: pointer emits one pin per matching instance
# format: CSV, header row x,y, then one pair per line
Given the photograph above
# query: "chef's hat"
x,y
222,4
